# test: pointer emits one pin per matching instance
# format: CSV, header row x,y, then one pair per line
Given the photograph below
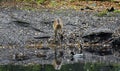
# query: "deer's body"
x,y
57,26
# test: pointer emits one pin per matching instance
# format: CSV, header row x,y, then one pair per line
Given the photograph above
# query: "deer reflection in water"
x,y
58,60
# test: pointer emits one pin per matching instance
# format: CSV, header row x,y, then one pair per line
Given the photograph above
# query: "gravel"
x,y
14,36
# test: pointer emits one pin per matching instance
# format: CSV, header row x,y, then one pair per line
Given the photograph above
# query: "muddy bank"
x,y
24,32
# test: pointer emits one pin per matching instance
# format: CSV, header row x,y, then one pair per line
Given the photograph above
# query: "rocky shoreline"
x,y
19,29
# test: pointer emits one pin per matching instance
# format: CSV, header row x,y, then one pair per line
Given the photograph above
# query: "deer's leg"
x,y
55,35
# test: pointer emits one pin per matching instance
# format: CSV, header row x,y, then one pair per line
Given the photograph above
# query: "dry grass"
x,y
60,4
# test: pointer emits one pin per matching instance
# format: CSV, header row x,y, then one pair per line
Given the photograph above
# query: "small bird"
x,y
57,26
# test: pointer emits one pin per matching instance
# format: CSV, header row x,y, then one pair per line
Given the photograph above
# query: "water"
x,y
66,67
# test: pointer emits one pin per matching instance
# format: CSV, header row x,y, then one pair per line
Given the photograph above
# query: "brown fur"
x,y
57,26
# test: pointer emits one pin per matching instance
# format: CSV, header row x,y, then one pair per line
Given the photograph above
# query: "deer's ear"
x,y
61,22
55,21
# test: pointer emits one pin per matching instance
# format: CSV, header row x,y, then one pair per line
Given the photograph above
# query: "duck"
x,y
77,56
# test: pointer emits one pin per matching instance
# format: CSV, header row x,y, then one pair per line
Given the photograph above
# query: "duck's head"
x,y
72,53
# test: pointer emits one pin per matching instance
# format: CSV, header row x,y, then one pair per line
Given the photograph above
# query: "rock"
x,y
99,40
42,37
20,57
102,49
82,9
21,23
105,51
88,8
96,35
116,44
111,9
41,55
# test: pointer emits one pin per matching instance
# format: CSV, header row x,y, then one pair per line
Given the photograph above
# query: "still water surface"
x,y
66,67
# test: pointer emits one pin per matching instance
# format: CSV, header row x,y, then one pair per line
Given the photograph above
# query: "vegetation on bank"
x,y
61,4
107,13
51,1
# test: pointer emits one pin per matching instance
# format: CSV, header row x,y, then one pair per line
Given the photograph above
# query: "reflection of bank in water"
x,y
58,61
60,56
